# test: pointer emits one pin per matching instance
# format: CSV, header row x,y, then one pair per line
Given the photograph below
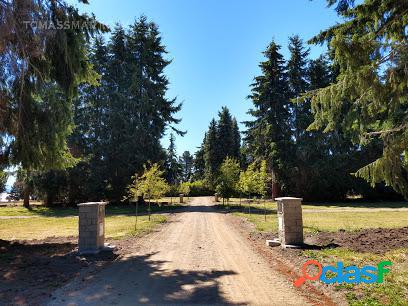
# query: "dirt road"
x,y
197,258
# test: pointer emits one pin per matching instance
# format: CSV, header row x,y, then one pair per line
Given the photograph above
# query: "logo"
x,y
341,274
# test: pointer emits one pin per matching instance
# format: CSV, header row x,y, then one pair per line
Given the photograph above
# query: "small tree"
x,y
184,188
150,185
249,182
228,178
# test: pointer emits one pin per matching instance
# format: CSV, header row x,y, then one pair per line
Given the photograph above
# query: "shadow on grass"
x,y
143,279
360,203
256,209
111,210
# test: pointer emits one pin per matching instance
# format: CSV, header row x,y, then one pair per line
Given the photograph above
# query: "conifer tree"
x,y
39,75
236,140
225,141
368,101
173,166
268,135
211,157
199,161
3,180
187,164
297,80
139,111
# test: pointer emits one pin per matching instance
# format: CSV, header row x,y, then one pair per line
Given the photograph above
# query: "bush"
x,y
200,188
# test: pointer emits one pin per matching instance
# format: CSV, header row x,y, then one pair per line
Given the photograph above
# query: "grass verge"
x,y
316,221
44,227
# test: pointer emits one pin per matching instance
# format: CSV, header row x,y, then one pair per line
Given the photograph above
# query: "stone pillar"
x,y
181,198
290,221
216,197
91,227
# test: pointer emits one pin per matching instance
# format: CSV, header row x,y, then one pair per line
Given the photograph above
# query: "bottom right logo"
x,y
341,274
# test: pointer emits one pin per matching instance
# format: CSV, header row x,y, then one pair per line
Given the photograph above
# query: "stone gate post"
x,y
290,221
91,227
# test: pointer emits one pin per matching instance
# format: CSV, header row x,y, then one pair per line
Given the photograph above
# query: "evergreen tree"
x,y
173,167
139,112
211,157
305,149
222,140
228,139
39,75
236,140
268,135
368,101
199,161
187,164
3,180
297,80
17,191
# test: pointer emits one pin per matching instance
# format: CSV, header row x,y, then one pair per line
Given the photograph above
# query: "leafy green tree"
x,y
248,183
185,188
262,179
187,165
150,184
227,183
368,100
268,135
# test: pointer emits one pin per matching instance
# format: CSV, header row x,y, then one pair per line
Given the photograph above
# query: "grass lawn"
x,y
43,227
42,211
42,222
326,219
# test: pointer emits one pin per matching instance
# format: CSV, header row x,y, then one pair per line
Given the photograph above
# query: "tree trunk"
x,y
136,214
275,190
265,208
26,202
149,209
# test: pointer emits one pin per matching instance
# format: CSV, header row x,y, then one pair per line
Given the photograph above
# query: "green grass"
x,y
63,222
351,204
43,227
42,211
394,290
314,221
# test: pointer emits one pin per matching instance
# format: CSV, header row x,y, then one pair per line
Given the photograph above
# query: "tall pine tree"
x,y
173,166
268,135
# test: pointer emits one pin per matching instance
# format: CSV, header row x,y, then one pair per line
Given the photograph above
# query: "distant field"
x,y
330,217
44,227
43,222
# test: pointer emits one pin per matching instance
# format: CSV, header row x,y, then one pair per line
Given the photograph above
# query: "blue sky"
x,y
216,46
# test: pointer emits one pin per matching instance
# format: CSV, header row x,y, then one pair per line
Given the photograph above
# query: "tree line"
x,y
81,114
